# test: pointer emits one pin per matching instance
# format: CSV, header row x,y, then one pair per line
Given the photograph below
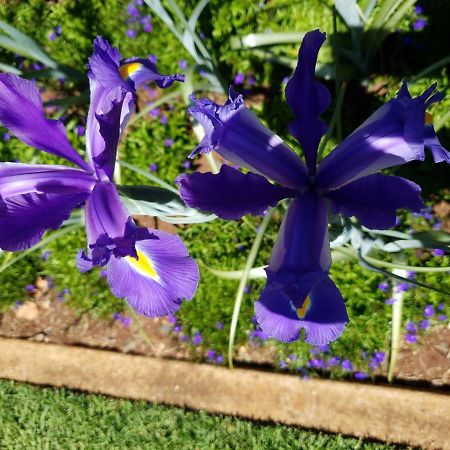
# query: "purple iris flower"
x,y
150,268
299,294
420,24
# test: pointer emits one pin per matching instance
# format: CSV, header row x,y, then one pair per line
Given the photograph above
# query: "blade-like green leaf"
x,y
254,40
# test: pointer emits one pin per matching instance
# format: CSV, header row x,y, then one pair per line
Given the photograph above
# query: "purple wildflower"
x,y
324,348
220,359
52,36
390,301
346,364
347,180
80,130
149,268
45,256
333,361
424,324
411,327
30,287
428,311
420,24
152,58
418,9
411,338
177,329
172,319
437,225
441,306
239,78
379,356
132,11
103,273
184,338
211,354
197,339
187,164
247,289
153,167
282,364
384,286
6,137
168,143
251,80
402,287
148,27
117,316
183,64
438,252
131,34
316,363
219,325
442,317
126,321
163,120
361,375
154,112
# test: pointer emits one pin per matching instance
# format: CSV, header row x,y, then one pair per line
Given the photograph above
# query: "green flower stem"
x,y
240,292
141,328
378,263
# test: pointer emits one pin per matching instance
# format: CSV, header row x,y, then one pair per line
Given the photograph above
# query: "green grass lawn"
x,y
44,418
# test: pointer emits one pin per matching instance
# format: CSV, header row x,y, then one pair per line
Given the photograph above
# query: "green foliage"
x,y
36,418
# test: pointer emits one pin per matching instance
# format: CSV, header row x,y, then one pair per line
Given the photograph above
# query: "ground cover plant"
x,y
158,143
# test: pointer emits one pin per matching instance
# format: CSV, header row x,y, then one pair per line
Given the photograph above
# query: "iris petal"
x,y
230,194
238,135
159,280
21,111
395,134
308,99
374,199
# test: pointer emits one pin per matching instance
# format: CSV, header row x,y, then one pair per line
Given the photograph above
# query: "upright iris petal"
x,y
308,99
299,294
238,135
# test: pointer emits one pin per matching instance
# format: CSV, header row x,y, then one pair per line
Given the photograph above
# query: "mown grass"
x,y
44,418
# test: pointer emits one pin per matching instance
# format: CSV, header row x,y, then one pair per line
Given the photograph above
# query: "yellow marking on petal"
x,y
143,265
304,308
129,69
428,118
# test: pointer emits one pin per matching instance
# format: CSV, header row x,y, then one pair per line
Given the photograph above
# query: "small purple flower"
x,y
247,289
410,274
184,338
333,361
153,167
220,359
148,28
384,286
437,225
424,324
183,64
103,274
197,339
390,301
153,58
428,311
418,9
58,30
251,80
132,11
346,364
259,334
154,112
438,252
6,137
117,316
168,143
316,363
131,34
239,78
18,304
163,120
324,348
45,256
219,325
402,287
442,317
177,329
126,321
145,20
420,24
314,350
52,36
411,327
441,306
379,356
211,354
241,248
282,364
80,130
30,288
187,164
361,376
171,319
411,338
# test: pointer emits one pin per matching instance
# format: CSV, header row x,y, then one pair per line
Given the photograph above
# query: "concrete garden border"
x,y
392,414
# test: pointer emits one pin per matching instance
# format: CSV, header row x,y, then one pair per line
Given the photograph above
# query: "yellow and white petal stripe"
x,y
144,266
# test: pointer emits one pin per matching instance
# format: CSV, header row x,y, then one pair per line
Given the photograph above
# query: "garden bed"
x,y
386,413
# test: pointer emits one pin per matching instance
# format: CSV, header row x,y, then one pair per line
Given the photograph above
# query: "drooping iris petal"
x,y
302,244
312,303
395,134
140,71
374,199
21,111
157,281
238,135
308,99
110,230
439,153
230,194
25,218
